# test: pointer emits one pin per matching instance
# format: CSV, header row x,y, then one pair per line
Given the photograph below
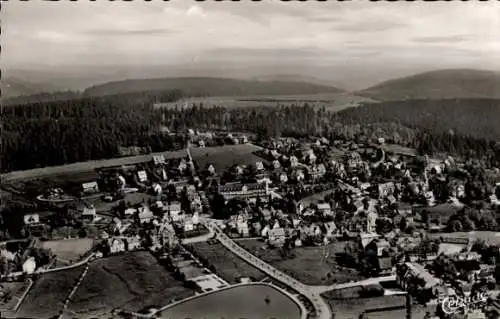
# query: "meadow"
x,y
131,282
331,101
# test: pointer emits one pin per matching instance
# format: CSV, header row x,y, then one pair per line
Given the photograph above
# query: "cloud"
x,y
123,32
196,11
368,26
442,39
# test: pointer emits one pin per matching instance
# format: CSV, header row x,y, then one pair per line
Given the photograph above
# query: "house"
x,y
276,164
90,188
371,222
365,238
159,159
266,213
188,225
294,161
242,227
89,213
211,169
29,266
386,189
384,265
130,211
259,166
377,247
298,175
410,270
174,210
309,156
325,209
142,176
283,178
133,243
145,214
182,165
31,219
157,189
276,237
244,191
116,245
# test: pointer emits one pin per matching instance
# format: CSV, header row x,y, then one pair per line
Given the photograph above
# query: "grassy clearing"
x,y
46,297
311,265
225,156
331,101
130,282
227,265
69,249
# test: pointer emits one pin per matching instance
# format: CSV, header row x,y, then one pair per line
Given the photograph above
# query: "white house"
x,y
158,159
145,214
277,236
242,227
90,187
89,213
324,209
188,225
142,176
31,219
130,211
259,166
157,189
276,164
29,266
116,245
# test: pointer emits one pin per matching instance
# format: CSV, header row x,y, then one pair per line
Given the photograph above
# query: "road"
x,y
366,282
321,307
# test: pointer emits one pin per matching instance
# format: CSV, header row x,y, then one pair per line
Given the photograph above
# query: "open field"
x,y
85,166
69,249
311,265
226,156
131,282
11,293
227,265
85,170
46,297
352,308
331,101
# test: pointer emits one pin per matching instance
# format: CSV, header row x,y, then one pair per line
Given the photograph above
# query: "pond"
x,y
249,302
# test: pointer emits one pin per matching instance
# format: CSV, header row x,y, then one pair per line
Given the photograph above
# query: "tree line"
x,y
59,132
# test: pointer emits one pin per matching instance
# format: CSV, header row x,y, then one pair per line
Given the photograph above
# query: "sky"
x,y
339,41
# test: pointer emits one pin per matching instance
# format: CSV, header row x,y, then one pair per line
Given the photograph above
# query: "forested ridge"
x,y
59,132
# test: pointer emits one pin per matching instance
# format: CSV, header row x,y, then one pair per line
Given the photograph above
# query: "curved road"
x,y
310,292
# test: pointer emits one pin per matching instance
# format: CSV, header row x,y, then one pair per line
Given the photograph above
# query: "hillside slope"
x,y
13,87
443,84
206,86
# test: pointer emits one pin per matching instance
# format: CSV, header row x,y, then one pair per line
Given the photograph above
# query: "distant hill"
x,y
13,87
443,84
40,97
473,117
206,86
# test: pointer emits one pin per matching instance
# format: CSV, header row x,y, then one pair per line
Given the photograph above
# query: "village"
x,y
427,226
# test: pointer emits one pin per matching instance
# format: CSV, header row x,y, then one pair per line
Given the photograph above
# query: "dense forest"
x,y
59,132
